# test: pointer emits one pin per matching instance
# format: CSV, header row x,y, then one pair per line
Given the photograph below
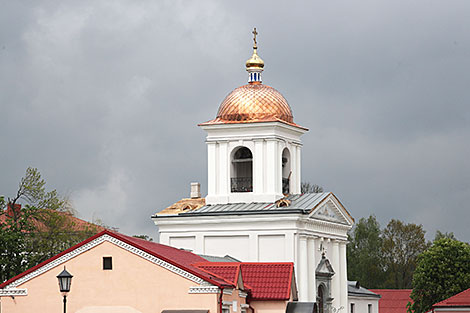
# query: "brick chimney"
x,y
195,190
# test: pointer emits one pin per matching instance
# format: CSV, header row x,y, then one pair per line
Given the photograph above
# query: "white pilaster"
x,y
224,168
258,167
311,269
211,169
271,155
343,276
297,168
336,281
303,269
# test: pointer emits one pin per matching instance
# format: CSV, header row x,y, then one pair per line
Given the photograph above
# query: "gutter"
x,y
220,298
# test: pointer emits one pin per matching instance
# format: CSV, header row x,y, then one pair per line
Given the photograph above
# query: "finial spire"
x,y
254,65
254,32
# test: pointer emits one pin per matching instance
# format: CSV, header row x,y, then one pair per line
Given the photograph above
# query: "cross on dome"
x,y
254,65
254,32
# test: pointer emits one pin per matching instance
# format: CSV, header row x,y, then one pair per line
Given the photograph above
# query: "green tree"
x,y
39,229
144,237
402,243
442,271
364,253
306,187
440,235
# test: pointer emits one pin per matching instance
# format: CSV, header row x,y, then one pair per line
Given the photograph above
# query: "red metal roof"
x,y
177,257
266,281
459,300
393,300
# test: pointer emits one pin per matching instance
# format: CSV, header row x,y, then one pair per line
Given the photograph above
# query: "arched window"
x,y
321,299
242,170
286,171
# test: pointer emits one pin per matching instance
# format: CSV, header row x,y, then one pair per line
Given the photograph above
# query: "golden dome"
x,y
255,61
254,103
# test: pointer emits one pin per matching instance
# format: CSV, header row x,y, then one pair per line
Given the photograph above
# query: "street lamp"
x,y
65,280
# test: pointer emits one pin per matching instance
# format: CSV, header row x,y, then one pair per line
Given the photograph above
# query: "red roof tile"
x,y
228,271
267,281
393,300
177,257
459,300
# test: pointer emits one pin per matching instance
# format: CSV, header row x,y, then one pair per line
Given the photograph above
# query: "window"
x,y
242,170
286,171
369,308
352,307
107,263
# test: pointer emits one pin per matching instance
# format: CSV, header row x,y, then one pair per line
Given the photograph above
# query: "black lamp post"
x,y
65,280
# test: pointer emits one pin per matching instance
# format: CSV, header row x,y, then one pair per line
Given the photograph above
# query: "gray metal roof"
x,y
213,258
301,203
355,289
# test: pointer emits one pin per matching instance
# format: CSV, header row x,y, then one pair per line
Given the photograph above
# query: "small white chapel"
x,y
254,209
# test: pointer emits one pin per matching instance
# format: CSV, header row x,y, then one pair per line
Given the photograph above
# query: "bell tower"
x,y
253,144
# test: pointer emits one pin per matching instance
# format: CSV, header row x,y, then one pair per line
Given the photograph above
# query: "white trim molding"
x,y
130,248
13,292
228,291
204,289
242,294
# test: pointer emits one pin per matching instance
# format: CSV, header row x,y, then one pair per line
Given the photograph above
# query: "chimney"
x,y
195,190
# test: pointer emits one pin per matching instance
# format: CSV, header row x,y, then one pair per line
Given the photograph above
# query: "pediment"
x,y
324,268
330,209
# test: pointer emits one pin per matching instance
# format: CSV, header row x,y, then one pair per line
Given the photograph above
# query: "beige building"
x,y
121,274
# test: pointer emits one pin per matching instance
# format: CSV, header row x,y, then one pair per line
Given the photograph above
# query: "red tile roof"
x,y
266,281
393,300
177,257
461,299
226,270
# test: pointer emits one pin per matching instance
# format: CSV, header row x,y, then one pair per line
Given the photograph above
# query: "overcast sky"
x,y
104,98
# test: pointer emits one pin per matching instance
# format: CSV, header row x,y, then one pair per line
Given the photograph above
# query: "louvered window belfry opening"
x,y
285,186
286,171
242,171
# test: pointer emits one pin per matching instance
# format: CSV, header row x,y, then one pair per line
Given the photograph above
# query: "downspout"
x,y
220,298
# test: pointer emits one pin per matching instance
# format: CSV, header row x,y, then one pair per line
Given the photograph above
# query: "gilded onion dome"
x,y
254,102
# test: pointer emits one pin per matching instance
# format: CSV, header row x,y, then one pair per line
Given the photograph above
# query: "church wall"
x,y
272,238
188,242
272,248
235,245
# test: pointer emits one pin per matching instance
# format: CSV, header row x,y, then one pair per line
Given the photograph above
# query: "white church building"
x,y
254,209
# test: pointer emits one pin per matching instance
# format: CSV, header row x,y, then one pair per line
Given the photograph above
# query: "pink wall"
x,y
133,285
269,306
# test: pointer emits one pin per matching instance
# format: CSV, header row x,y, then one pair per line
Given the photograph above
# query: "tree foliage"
x,y
37,230
365,262
440,235
384,258
442,271
402,243
306,187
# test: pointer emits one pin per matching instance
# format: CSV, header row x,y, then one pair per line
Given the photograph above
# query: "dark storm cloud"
x,y
104,98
